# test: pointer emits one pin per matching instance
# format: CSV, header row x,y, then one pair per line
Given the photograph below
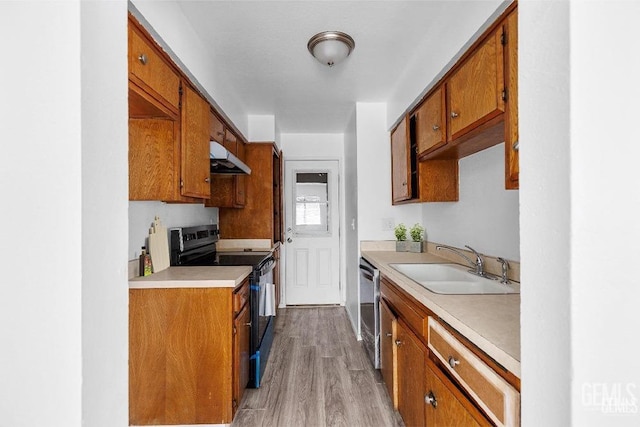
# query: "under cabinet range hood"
x,y
223,161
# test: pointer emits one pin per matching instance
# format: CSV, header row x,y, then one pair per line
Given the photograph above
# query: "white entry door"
x,y
312,232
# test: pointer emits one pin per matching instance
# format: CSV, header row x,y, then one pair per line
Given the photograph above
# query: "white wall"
x,y
142,214
105,190
352,247
374,176
545,210
63,303
605,212
173,32
319,146
262,128
486,217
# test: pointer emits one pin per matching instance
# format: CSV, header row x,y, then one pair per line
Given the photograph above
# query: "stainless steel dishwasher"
x,y
370,310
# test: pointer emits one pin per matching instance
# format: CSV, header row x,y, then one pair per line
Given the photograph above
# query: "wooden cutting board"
x,y
159,246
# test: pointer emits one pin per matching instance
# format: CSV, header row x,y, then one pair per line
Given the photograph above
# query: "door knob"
x,y
435,127
454,114
289,240
398,343
143,59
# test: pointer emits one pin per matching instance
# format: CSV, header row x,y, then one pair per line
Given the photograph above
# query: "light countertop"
x,y
491,322
193,277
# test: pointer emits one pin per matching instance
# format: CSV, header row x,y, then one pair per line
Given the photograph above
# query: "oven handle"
x,y
267,266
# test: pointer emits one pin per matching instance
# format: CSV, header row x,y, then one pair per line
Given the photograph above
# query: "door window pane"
x,y
311,203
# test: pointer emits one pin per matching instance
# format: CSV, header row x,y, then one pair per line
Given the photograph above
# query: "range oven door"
x,y
370,310
262,318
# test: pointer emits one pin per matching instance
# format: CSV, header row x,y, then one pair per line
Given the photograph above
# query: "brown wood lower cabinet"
x,y
444,404
388,335
411,372
421,387
188,355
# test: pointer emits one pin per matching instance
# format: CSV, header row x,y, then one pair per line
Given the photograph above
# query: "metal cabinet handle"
x,y
516,146
289,240
248,324
389,334
143,59
430,398
454,114
404,184
398,343
207,179
435,128
453,362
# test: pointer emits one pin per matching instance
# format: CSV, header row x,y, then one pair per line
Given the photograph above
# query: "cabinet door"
x,y
195,145
475,91
512,162
411,356
445,405
154,172
430,122
242,326
149,71
400,162
216,128
388,324
231,142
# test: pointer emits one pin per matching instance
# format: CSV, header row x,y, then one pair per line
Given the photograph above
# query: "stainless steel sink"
x,y
453,279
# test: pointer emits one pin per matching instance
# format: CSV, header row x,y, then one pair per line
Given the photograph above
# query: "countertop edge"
x,y
193,277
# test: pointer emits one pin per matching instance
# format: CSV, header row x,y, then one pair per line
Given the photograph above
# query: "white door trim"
x,y
341,237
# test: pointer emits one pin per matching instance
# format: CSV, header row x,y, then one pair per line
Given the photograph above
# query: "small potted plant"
x,y
401,237
417,233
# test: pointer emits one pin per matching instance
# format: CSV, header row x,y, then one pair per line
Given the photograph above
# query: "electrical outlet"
x,y
388,224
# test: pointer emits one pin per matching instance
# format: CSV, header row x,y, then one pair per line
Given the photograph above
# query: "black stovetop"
x,y
252,258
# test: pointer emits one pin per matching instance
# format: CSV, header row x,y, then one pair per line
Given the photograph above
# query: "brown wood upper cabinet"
x,y
216,128
476,90
413,181
154,85
431,122
511,138
195,145
401,186
227,191
475,105
231,142
260,218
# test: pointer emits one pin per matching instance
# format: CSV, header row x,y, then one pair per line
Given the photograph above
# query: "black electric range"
x,y
196,246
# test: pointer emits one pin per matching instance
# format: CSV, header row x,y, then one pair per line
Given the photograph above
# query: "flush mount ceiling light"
x,y
331,47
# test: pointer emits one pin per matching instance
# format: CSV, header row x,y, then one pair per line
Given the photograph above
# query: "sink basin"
x,y
453,279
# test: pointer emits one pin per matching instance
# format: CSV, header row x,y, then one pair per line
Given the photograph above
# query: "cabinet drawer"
x,y
147,65
240,297
414,317
492,393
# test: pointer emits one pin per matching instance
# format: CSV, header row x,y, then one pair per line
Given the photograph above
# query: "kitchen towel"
x,y
267,298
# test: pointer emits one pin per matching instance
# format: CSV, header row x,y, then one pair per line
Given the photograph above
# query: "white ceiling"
x,y
263,46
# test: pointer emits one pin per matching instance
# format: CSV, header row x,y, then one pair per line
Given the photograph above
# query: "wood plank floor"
x,y
318,374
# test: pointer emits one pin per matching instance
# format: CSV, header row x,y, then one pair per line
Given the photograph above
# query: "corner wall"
x,y
352,247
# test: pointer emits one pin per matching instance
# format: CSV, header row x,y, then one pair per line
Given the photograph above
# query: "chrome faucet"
x,y
505,270
478,264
